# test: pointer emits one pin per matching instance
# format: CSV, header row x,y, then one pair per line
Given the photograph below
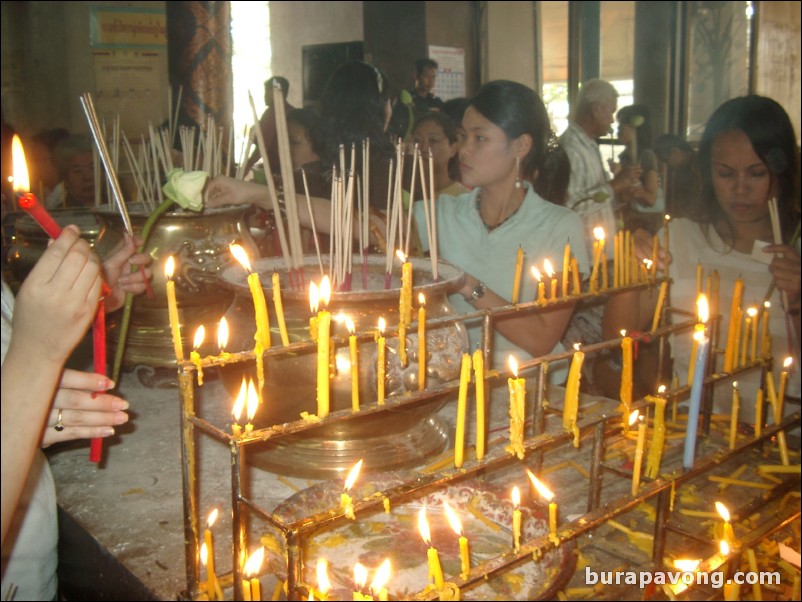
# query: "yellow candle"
x,y
516,520
732,342
464,552
738,332
655,456
571,404
658,309
462,400
194,355
548,495
516,283
576,277
566,268
479,374
759,413
323,350
379,581
405,301
246,590
550,273
666,248
517,388
757,593
211,577
729,535
778,411
314,300
736,406
638,452
765,344
627,259
380,362
598,247
354,356
617,260
421,342
279,305
747,329
753,319
252,568
435,570
172,309
346,503
655,247
402,343
605,283
626,378
541,287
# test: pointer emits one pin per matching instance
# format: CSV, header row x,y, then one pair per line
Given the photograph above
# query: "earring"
x,y
518,182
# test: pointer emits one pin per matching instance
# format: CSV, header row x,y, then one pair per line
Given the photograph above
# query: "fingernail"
x,y
106,384
120,418
119,404
106,431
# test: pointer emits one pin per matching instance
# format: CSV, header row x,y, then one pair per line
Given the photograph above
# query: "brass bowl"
x,y
388,440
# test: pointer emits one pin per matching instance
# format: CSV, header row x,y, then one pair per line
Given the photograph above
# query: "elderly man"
x,y
589,192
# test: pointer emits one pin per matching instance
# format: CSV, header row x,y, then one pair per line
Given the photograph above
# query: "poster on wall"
x,y
450,71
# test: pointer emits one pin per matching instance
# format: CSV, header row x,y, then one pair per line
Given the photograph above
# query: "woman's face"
x,y
301,151
741,180
486,156
430,136
80,180
625,133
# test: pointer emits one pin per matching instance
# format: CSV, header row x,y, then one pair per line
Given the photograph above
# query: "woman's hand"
x,y
644,247
222,191
785,269
117,270
84,408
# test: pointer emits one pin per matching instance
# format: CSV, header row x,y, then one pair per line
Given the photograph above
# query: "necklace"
x,y
489,227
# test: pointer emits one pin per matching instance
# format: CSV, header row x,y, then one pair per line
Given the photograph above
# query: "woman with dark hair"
x,y
635,131
748,155
436,132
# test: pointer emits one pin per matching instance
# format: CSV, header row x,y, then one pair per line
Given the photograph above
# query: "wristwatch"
x,y
477,293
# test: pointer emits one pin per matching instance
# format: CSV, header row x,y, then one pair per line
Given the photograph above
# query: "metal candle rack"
x,y
597,428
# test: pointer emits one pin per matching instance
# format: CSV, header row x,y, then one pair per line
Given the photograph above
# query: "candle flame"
x,y
687,565
340,318
516,497
254,564
735,385
323,582
421,299
702,309
548,268
352,476
349,324
723,511
787,362
767,305
598,233
513,366
667,217
20,167
536,274
751,312
314,297
204,553
544,491
200,334
577,346
382,325
222,334
400,254
253,400
647,262
241,256
382,576
212,518
661,389
623,333
453,519
169,268
236,412
633,417
325,291
360,575
724,548
423,527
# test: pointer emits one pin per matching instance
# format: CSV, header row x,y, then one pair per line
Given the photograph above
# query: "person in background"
x,y
75,162
437,133
423,98
682,181
267,123
589,192
44,175
748,154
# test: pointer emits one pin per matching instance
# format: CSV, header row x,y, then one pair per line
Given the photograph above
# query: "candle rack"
x,y
595,429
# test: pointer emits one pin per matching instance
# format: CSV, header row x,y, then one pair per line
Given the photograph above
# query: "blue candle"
x,y
703,346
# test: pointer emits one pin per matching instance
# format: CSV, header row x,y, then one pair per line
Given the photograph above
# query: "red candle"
x,y
99,341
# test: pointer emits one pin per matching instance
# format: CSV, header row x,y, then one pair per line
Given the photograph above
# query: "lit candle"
x,y
208,542
605,282
239,405
778,411
746,330
380,362
464,552
571,403
626,378
703,343
516,283
314,300
699,328
462,400
346,503
517,388
323,349
354,355
666,241
213,589
732,343
541,287
360,579
635,416
279,306
404,306
626,260
765,342
516,519
728,534
421,342
655,456
738,330
658,309
753,318
547,267
194,355
576,277
28,200
222,338
548,495
645,268
736,406
252,568
435,570
377,586
323,582
252,405
172,309
598,248
479,375
566,268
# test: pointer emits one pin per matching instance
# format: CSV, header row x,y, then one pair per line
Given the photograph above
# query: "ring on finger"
x,y
59,426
